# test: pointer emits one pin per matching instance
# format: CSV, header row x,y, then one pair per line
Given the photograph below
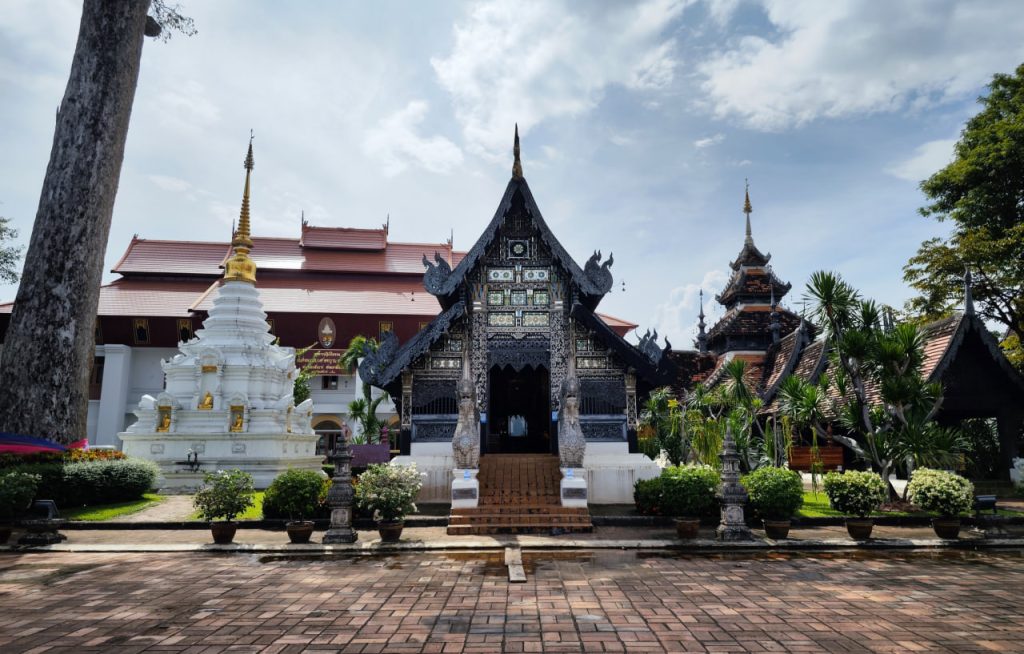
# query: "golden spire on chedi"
x,y
240,267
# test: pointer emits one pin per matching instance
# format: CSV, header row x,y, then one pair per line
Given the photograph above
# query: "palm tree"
x,y
363,410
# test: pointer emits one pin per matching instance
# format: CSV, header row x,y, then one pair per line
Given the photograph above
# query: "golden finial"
x,y
240,267
517,165
747,209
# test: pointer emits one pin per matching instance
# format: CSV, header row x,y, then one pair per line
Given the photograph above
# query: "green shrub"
x,y
688,491
224,494
16,492
647,496
389,490
775,493
855,493
296,495
103,482
941,492
90,482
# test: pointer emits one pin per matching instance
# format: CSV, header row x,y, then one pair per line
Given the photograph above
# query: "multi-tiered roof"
x,y
753,319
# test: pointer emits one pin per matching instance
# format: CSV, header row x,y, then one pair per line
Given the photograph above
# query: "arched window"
x,y
327,432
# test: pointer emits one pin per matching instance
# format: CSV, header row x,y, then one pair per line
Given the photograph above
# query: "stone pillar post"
x,y
733,524
117,365
340,497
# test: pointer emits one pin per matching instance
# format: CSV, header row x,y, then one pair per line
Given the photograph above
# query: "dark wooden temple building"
x,y
518,313
960,353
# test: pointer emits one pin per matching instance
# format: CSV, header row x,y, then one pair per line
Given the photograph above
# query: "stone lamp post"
x,y
733,525
340,496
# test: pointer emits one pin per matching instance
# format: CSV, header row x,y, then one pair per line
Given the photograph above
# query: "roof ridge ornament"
x,y
702,337
747,209
517,165
240,267
968,292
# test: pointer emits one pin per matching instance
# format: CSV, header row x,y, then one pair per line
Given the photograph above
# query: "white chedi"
x,y
227,401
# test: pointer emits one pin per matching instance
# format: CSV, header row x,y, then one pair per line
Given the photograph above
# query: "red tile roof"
x,y
618,325
328,295
150,257
343,238
144,298
145,256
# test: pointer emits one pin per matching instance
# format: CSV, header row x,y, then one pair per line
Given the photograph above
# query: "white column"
x,y
117,363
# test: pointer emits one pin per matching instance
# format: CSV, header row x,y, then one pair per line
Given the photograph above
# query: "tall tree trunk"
x,y
44,367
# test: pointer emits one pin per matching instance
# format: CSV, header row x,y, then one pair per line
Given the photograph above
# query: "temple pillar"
x,y
117,364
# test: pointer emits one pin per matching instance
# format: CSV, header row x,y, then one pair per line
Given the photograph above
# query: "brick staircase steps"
x,y
519,493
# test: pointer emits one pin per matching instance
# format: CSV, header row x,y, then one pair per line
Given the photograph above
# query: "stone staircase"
x,y
519,494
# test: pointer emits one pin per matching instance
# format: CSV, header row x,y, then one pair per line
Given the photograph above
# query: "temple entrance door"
x,y
519,416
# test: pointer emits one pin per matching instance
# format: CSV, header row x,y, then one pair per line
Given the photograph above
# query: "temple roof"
x,y
750,256
195,258
517,188
760,283
751,321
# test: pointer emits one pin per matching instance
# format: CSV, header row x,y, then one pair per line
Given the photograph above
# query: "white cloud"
x,y
926,161
853,57
707,142
167,183
676,317
527,62
395,143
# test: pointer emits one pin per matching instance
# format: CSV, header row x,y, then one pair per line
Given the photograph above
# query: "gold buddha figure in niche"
x,y
237,414
164,421
207,402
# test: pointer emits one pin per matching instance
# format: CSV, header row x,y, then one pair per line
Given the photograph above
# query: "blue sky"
x,y
639,123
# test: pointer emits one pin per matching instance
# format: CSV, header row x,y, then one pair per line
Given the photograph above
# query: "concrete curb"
x,y
539,543
597,520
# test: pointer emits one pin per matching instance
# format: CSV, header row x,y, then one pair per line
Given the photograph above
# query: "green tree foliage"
x,y
982,194
363,410
874,384
9,254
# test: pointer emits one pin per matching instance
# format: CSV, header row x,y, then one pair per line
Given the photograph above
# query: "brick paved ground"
x,y
586,601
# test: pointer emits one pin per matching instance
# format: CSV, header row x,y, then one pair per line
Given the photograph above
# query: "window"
x,y
140,331
383,328
329,382
96,378
270,321
185,333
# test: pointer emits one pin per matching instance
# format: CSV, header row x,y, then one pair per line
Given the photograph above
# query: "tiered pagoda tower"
x,y
753,319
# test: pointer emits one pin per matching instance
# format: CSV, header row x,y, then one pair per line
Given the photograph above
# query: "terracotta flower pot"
x,y
859,528
390,530
223,531
946,528
299,531
776,529
686,528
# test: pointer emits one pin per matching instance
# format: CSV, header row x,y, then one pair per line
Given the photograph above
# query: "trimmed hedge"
x,y
680,491
297,495
944,493
92,482
775,493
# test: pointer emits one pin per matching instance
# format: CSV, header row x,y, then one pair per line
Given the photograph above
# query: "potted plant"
x,y
856,495
943,493
688,492
389,491
298,494
17,489
776,494
225,494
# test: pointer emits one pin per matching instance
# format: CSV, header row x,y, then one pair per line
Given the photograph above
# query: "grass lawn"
x,y
254,512
111,511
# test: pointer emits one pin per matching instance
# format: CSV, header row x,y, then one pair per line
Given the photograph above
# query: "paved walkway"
x,y
171,509
602,601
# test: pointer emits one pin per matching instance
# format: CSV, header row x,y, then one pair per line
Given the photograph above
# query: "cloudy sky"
x,y
639,123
